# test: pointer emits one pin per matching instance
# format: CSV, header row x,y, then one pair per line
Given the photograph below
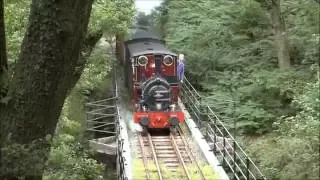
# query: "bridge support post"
x,y
224,150
214,136
234,159
247,166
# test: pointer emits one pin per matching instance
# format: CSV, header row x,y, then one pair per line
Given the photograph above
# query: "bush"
x,y
231,58
292,150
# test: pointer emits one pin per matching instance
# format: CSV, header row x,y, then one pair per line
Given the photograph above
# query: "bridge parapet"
x,y
109,130
232,157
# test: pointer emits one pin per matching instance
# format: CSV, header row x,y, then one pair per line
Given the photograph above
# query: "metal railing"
x,y
101,117
232,157
121,174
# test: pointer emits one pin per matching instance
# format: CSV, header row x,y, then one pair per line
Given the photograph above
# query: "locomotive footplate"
x,y
158,119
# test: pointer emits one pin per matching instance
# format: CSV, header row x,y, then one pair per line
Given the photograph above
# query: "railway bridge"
x,y
201,148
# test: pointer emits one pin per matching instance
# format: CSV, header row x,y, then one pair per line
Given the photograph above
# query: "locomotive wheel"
x,y
144,131
174,130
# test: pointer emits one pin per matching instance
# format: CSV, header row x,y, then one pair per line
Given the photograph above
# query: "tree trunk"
x,y
281,39
87,46
44,73
3,51
120,47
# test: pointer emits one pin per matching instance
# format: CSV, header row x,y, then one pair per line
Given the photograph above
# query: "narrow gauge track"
x,y
169,149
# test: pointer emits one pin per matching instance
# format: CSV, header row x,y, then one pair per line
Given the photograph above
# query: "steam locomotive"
x,y
151,78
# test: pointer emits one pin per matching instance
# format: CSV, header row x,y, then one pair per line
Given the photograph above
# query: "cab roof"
x,y
147,42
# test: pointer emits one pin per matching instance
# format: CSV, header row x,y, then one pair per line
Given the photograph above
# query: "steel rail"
x,y
155,156
144,157
179,155
190,153
186,145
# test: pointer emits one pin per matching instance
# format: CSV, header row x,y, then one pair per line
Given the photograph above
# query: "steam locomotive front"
x,y
152,77
157,110
156,94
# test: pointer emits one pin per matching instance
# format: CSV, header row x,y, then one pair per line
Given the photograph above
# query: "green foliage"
x,y
143,19
302,18
15,158
69,157
230,47
112,16
159,17
291,151
97,68
224,51
16,18
69,161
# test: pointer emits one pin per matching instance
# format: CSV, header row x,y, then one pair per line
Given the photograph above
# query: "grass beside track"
x,y
139,172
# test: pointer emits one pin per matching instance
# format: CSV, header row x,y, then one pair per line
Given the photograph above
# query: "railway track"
x,y
167,151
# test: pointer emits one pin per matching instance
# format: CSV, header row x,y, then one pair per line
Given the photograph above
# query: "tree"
x,y
3,52
279,30
120,48
114,18
280,35
233,45
159,18
45,72
143,19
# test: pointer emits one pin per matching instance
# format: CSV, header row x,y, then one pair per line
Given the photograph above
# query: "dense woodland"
x,y
255,61
257,64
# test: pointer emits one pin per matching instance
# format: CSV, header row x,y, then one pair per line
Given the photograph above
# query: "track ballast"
x,y
167,151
